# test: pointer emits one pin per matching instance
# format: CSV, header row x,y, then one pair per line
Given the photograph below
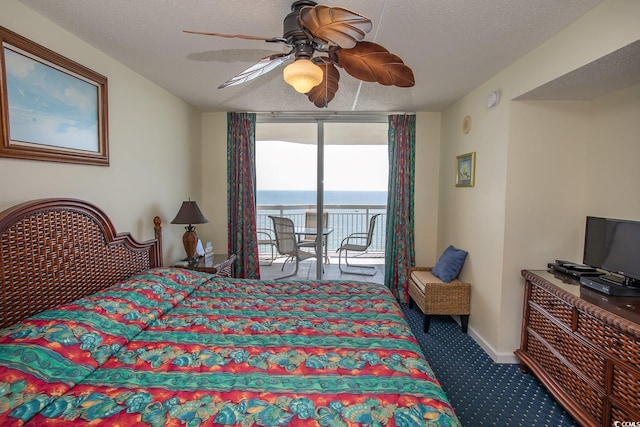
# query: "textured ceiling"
x,y
452,46
613,72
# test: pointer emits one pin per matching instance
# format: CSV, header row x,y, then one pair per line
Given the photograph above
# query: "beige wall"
x,y
538,149
613,150
426,187
472,218
214,180
153,141
545,192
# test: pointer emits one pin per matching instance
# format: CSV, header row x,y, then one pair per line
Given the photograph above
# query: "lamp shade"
x,y
303,75
189,213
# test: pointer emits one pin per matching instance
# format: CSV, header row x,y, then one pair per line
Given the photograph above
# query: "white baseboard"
x,y
498,357
503,357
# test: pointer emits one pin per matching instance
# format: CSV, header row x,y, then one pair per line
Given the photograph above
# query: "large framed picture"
x,y
466,170
52,108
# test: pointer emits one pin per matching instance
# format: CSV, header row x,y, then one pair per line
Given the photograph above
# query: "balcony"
x,y
344,219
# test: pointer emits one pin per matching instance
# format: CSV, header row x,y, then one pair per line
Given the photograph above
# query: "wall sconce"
x,y
190,214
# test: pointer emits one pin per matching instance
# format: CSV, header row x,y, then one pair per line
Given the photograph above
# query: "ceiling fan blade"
x,y
335,25
322,94
261,67
373,63
238,36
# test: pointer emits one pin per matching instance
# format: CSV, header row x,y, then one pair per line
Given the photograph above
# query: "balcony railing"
x,y
344,219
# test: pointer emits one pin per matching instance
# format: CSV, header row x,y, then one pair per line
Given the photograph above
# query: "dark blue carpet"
x,y
482,392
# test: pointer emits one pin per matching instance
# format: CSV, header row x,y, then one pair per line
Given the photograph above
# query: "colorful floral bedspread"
x,y
173,347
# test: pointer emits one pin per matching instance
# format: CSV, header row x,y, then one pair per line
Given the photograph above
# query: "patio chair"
x,y
287,244
311,221
348,244
265,238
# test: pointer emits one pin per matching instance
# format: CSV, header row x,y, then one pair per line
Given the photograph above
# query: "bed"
x,y
96,331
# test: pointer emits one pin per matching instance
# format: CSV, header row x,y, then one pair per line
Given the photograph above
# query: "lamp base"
x,y
190,240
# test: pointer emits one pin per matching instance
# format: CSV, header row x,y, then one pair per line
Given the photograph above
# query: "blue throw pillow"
x,y
449,264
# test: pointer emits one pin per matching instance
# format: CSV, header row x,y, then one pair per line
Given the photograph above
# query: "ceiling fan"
x,y
321,38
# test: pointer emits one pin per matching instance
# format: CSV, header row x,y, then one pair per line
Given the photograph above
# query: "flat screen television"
x,y
613,245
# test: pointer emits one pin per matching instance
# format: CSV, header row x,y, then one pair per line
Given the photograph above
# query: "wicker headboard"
x,y
54,251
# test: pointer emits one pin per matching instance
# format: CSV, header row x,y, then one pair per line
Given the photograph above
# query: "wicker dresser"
x,y
584,346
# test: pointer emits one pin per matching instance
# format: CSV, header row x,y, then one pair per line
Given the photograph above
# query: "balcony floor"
x,y
307,269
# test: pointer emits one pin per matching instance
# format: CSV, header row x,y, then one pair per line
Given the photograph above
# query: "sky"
x,y
292,166
48,106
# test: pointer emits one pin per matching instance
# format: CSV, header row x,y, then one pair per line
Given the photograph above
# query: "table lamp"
x,y
189,213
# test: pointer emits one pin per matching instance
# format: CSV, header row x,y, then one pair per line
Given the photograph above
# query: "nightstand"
x,y
219,264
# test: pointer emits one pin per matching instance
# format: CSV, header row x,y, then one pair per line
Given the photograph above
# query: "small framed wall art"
x,y
466,170
51,107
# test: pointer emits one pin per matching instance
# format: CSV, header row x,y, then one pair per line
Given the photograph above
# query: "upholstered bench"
x,y
433,296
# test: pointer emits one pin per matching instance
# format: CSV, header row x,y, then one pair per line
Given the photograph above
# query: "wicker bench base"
x,y
435,297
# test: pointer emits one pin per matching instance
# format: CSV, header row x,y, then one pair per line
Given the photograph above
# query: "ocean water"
x,y
286,197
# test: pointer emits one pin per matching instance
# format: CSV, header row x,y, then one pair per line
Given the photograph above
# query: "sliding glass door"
x,y
286,178
328,175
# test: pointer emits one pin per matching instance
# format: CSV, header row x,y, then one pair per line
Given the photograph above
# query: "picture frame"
x,y
51,108
466,170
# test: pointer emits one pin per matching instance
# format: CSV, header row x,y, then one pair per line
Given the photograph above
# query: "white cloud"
x,y
31,126
79,100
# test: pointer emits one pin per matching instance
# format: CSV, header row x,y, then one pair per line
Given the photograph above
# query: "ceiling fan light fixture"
x,y
303,75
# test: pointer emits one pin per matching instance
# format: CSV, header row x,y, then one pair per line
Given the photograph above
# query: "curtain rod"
x,y
326,116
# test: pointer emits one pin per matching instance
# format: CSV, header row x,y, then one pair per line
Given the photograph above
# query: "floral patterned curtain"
x,y
399,249
241,190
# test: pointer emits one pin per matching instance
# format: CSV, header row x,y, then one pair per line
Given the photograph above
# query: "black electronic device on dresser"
x,y
573,269
613,245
